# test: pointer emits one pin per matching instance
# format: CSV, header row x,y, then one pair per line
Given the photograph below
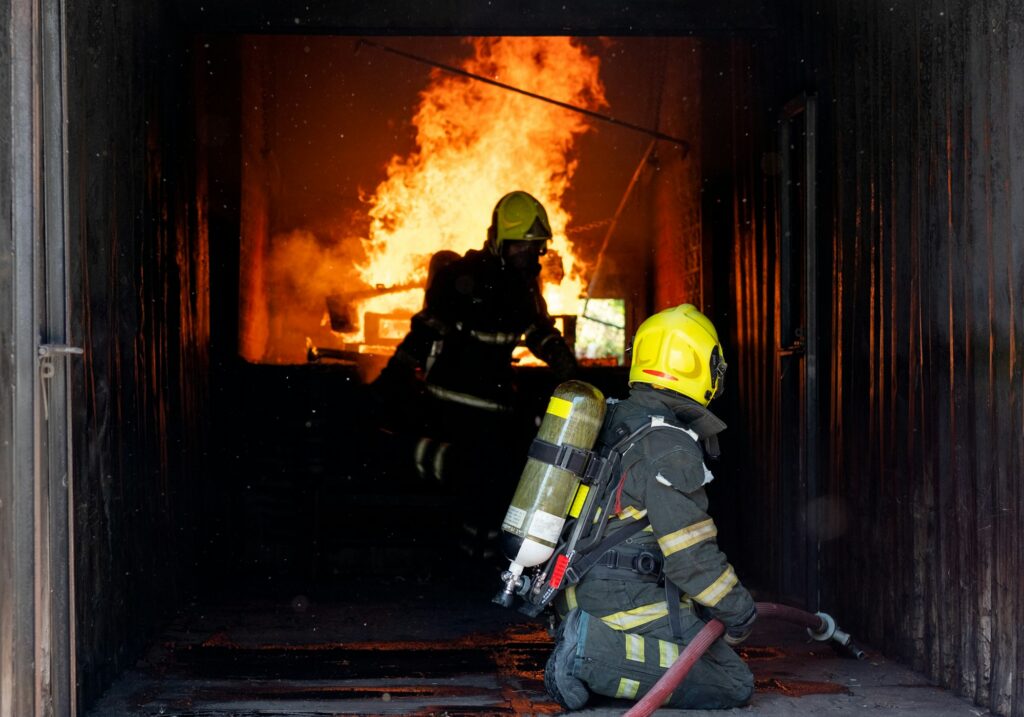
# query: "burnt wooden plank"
x,y
975,625
897,113
1012,423
908,201
1001,522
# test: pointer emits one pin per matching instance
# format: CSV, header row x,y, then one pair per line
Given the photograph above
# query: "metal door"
x,y
37,595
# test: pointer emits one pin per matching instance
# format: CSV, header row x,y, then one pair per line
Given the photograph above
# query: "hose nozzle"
x,y
841,641
844,645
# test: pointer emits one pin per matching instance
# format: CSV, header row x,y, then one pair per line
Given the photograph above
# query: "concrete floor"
x,y
435,647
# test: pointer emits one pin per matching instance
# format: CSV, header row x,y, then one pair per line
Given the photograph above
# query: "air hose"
x,y
820,626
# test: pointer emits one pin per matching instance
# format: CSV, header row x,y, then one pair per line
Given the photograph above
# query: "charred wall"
x,y
919,286
138,261
743,201
921,273
678,246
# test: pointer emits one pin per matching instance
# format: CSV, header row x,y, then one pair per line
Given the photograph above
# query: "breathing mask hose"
x,y
820,626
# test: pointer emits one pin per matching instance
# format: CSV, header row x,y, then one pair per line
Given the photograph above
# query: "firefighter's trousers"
x,y
625,653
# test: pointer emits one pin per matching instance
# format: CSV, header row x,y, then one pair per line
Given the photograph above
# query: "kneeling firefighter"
x,y
654,573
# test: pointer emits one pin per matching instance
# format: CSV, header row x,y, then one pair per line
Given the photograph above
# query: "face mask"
x,y
523,255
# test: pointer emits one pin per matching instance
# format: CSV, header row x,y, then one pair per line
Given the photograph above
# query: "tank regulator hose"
x,y
820,626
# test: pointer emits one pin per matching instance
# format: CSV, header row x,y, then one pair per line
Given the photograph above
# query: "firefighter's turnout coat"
x,y
627,637
475,312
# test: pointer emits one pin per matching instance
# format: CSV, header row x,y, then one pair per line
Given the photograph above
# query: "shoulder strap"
x,y
586,542
580,567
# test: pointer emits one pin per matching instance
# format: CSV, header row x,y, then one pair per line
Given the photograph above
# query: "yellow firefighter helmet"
x,y
518,216
678,349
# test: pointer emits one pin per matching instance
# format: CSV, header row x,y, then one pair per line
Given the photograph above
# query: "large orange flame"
x,y
474,143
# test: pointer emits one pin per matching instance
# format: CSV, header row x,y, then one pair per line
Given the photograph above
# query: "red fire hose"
x,y
820,626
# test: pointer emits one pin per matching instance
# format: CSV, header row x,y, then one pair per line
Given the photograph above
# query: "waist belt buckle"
x,y
646,564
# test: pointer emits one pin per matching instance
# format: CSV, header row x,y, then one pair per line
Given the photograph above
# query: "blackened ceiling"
x,y
472,17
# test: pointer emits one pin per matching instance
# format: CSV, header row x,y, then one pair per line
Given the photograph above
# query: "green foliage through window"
x,y
601,332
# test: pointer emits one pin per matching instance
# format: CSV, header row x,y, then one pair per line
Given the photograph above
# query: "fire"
x,y
474,143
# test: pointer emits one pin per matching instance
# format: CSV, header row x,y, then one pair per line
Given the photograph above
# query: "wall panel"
x,y
921,205
138,261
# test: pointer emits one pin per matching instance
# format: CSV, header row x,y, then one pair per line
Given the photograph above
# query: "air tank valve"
x,y
513,583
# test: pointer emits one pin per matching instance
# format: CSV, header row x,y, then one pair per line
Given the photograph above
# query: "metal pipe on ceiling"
x,y
681,143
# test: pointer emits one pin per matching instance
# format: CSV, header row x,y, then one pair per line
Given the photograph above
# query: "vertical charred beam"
x,y
967,183
1009,681
998,305
255,214
55,486
752,167
19,321
678,255
895,114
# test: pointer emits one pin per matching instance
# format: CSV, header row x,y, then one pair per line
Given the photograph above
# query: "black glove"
x,y
396,397
562,362
399,374
736,634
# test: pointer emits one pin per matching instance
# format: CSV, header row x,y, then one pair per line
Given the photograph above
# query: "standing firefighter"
x,y
627,618
458,353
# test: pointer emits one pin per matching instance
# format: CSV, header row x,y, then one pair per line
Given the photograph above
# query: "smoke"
x,y
303,269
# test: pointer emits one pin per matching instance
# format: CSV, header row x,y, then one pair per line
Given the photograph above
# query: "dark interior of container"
x,y
273,484
209,476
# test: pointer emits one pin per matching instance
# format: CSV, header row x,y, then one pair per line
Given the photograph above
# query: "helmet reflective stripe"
x,y
678,349
517,216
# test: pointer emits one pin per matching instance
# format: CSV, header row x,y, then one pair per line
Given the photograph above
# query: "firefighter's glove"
x,y
562,362
736,634
398,380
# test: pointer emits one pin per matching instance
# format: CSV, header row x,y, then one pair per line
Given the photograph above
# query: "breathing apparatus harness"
x,y
585,544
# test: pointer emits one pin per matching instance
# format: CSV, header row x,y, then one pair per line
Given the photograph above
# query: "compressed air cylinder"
x,y
545,493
